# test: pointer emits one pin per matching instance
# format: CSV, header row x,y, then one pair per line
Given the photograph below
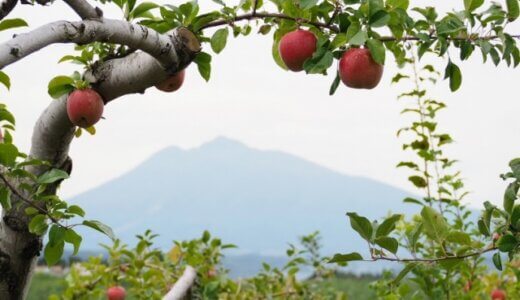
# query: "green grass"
x,y
43,285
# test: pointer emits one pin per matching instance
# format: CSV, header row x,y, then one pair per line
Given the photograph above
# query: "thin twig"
x,y
332,27
255,6
28,201
432,260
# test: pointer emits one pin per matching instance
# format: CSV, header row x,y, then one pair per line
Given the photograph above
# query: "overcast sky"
x,y
251,100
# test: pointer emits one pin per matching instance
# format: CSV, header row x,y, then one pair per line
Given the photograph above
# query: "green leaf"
x,y
374,6
8,154
398,4
203,61
56,234
356,35
377,50
73,238
5,80
515,167
52,176
453,73
403,273
459,237
497,261
335,84
379,19
515,216
31,211
59,86
510,196
362,225
5,197
388,225
219,40
471,5
434,223
53,252
513,10
343,258
418,181
319,64
388,243
6,115
206,236
100,227
142,8
449,25
38,224
306,4
507,243
12,23
76,210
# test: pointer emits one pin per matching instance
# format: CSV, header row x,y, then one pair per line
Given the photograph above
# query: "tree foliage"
x,y
445,244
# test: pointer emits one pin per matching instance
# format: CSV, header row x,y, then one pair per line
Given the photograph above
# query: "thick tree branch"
x,y
84,9
6,7
53,132
181,288
135,36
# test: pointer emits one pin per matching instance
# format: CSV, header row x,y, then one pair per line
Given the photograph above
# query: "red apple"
x,y
467,286
498,294
495,236
116,293
357,69
84,107
173,83
296,47
212,273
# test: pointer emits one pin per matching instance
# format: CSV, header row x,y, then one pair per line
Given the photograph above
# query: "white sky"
x,y
250,99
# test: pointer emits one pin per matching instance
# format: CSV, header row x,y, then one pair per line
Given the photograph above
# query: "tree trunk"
x,y
53,131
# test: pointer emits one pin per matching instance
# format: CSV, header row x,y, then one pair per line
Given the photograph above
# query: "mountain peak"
x,y
223,142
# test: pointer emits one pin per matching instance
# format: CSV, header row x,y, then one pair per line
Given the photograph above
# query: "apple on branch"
x,y
172,83
357,69
116,293
296,47
498,294
84,107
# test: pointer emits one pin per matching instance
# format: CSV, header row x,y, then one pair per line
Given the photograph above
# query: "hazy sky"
x,y
252,100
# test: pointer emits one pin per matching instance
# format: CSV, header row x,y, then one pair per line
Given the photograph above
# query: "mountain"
x,y
258,200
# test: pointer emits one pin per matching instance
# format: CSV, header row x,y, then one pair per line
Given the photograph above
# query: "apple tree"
x,y
150,44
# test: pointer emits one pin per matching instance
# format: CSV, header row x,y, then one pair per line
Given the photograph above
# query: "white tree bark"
x,y
134,36
181,288
160,56
84,9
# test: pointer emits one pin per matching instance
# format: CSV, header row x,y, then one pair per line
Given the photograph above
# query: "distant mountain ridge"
x,y
258,200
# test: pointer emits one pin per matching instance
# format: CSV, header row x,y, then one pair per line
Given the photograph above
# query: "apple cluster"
x,y
85,106
357,69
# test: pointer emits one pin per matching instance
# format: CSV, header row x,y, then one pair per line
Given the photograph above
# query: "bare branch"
x,y
6,7
84,9
159,46
182,287
433,260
